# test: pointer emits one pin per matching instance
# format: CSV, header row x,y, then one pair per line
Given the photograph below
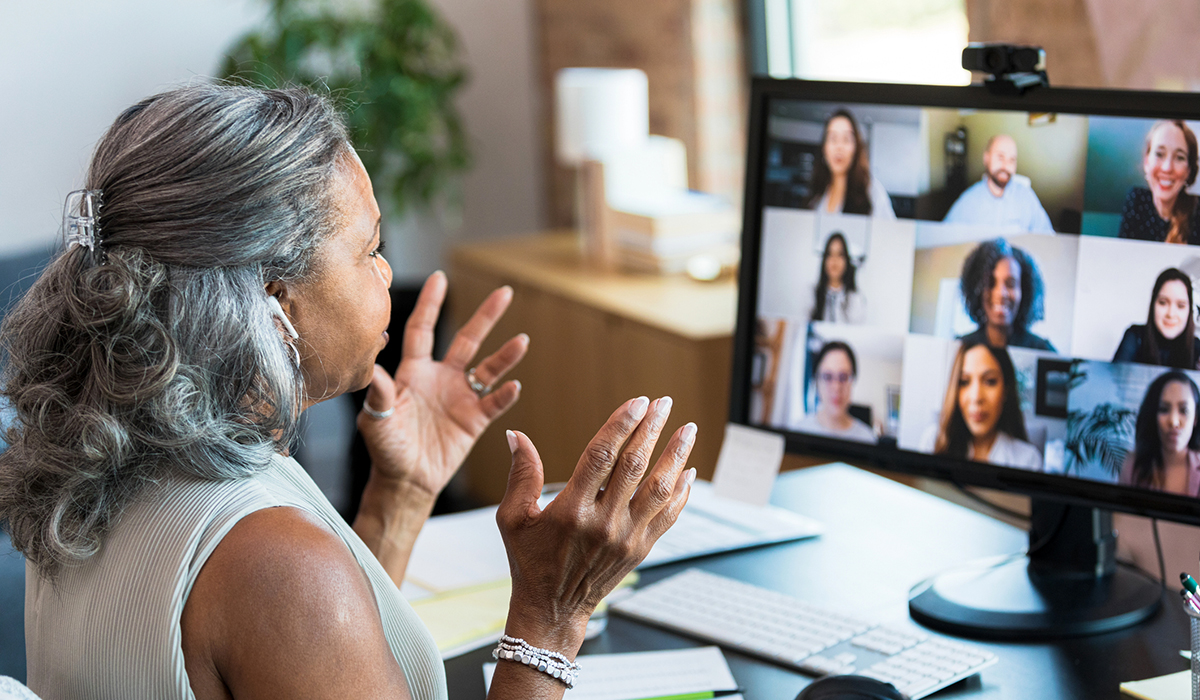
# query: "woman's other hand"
x,y
437,417
566,558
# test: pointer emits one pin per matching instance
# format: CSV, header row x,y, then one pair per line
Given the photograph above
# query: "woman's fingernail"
x,y
638,408
517,384
690,475
689,433
663,406
524,337
512,441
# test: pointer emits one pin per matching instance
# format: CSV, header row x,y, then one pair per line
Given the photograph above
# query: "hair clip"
x,y
80,212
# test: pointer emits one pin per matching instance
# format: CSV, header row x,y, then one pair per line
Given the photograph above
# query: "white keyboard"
x,y
809,638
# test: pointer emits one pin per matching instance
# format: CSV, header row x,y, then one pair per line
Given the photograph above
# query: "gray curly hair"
x,y
157,351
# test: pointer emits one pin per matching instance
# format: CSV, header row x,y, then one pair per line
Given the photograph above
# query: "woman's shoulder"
x,y
1021,454
1126,473
1138,197
1033,341
1131,343
928,438
860,431
303,606
881,201
1139,218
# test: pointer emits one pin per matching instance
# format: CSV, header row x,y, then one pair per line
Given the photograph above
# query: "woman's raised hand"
x,y
437,417
566,558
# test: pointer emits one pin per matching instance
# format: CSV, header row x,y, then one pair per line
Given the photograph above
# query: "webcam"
x,y
1011,69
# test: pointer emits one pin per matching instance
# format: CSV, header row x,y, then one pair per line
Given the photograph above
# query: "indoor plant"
x,y
393,68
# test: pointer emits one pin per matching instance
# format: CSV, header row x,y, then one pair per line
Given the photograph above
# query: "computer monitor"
x,y
995,281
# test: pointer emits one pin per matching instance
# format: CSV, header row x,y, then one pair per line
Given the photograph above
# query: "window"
x,y
904,41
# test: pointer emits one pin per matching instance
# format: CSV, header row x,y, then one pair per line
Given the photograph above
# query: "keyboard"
x,y
808,638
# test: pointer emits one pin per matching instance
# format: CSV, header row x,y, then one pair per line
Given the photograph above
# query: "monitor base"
x,y
1009,600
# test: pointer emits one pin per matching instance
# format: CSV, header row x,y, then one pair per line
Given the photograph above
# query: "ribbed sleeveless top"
x,y
109,628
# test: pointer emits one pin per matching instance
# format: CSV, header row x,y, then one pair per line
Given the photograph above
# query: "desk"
x,y
879,530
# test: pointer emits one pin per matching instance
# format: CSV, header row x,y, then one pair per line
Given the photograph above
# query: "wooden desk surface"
x,y
881,538
552,262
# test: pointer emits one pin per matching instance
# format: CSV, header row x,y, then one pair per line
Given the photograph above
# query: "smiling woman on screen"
x,y
1163,211
1002,288
1169,336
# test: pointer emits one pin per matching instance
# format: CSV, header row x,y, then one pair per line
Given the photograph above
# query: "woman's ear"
x,y
279,291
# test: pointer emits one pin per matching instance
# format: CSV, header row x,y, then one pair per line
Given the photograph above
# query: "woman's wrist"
x,y
390,516
539,625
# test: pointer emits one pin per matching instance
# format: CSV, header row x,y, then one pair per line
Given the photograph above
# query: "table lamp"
x,y
599,112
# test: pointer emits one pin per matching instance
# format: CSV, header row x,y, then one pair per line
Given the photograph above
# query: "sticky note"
x,y
748,464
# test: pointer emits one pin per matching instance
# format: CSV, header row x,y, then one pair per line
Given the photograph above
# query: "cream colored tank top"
x,y
110,627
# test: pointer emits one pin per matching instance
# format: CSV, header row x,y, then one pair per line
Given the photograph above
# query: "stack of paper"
x,y
458,580
661,235
1176,686
686,673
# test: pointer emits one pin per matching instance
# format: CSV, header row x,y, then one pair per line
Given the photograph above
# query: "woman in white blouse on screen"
x,y
842,182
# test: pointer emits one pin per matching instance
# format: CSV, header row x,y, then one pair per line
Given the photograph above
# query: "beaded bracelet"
x,y
548,662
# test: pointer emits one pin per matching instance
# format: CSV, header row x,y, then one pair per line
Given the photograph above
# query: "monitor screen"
x,y
995,290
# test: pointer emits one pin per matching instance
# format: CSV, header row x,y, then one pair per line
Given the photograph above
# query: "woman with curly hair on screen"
x,y
1002,288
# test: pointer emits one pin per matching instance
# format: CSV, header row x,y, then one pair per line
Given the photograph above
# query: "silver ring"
x,y
481,390
377,415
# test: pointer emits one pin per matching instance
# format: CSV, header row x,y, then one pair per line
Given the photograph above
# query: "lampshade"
x,y
600,111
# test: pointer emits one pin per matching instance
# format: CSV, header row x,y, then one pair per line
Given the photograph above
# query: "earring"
x,y
277,312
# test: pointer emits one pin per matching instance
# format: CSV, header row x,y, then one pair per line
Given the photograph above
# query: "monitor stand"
x,y
1068,585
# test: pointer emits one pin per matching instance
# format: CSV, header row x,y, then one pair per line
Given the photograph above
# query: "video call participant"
x,y
837,298
842,181
1000,198
1163,211
1002,289
834,371
1169,336
1166,453
981,415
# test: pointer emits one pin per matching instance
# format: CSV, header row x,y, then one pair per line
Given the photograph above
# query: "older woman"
x,y
224,273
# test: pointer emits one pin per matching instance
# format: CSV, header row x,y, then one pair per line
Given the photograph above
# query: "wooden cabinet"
x,y
596,339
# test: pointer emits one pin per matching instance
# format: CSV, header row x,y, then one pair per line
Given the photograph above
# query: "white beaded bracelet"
x,y
548,662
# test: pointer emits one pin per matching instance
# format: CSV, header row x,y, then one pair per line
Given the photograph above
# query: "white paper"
x,y
465,549
748,464
710,524
458,550
646,674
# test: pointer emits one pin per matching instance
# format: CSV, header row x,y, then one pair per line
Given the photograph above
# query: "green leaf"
x,y
400,103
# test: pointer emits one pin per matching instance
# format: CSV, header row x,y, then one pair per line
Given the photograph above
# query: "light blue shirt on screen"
x,y
1018,208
